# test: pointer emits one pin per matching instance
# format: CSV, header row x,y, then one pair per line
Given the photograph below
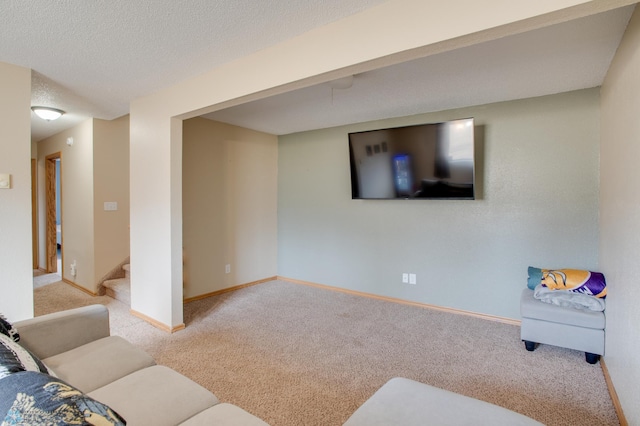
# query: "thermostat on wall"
x,y
110,206
5,181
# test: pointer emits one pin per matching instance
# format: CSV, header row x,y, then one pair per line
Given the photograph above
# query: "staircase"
x,y
120,288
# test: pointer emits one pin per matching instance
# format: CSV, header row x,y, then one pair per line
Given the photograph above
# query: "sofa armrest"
x,y
58,332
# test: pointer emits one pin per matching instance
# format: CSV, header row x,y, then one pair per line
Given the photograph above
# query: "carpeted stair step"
x,y
119,289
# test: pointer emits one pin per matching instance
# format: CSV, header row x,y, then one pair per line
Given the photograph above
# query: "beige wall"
x,y
94,169
229,206
77,201
16,278
410,29
111,184
537,205
620,217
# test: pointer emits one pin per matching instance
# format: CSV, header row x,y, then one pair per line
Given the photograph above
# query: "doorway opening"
x,y
53,188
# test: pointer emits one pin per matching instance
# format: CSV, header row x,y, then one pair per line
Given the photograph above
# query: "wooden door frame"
x,y
34,213
50,217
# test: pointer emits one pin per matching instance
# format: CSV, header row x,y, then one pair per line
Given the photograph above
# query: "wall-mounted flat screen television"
x,y
425,161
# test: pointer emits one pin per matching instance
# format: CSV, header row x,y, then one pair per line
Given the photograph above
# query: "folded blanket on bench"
x,y
568,299
573,280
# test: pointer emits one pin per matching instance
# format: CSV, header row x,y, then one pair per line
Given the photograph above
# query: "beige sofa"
x,y
77,346
409,403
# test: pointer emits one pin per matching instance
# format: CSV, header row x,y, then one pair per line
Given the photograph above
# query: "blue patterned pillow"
x,y
32,398
8,329
14,358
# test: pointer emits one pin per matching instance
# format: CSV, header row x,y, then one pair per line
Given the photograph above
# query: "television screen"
x,y
426,161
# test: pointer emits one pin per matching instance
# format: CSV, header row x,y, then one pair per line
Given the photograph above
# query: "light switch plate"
x,y
110,206
5,181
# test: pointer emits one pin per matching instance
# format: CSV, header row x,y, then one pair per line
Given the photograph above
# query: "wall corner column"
x,y
156,215
16,273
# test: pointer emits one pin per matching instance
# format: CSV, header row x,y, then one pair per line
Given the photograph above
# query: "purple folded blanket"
x,y
573,280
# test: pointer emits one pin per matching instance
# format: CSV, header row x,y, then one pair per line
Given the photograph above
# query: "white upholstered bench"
x,y
579,329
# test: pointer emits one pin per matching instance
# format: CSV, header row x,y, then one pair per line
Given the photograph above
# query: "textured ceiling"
x,y
564,57
91,58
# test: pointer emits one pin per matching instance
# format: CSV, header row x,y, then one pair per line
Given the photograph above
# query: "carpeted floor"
x,y
42,278
298,355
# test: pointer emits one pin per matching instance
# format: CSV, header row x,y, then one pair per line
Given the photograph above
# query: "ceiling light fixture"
x,y
47,113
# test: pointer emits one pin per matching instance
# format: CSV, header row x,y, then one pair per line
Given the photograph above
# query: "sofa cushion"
x,y
33,398
224,414
155,396
15,358
409,403
51,334
8,329
95,364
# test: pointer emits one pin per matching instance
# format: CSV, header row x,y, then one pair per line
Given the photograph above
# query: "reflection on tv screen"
x,y
415,162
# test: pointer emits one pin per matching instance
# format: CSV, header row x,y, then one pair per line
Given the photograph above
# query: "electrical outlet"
x,y
227,269
405,277
412,279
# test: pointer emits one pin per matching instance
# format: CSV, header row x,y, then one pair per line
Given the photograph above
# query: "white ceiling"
x,y
560,58
91,58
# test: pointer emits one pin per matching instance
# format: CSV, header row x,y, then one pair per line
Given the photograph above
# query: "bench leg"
x,y
591,358
530,346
